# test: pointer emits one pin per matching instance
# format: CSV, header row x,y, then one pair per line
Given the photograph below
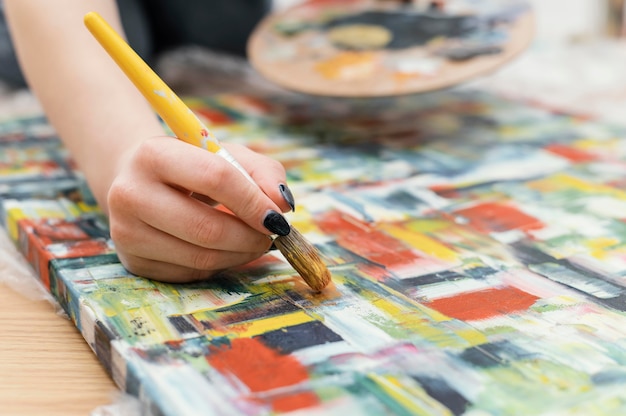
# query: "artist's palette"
x,y
369,48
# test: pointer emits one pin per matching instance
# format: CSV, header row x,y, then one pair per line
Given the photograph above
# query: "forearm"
x,y
97,112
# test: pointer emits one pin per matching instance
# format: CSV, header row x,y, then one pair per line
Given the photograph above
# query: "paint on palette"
x,y
404,28
466,271
382,48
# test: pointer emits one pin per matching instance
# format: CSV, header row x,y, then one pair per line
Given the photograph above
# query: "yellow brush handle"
x,y
183,122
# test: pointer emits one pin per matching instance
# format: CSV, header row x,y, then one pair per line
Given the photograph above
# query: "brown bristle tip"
x,y
304,258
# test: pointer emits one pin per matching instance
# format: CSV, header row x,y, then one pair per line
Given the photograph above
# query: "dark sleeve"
x,y
222,25
10,72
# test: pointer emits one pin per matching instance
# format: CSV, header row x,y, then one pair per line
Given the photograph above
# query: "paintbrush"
x,y
303,257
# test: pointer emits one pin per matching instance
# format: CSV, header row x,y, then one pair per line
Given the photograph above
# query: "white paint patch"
x,y
320,353
534,284
535,164
196,395
354,323
453,288
418,66
87,324
195,300
606,207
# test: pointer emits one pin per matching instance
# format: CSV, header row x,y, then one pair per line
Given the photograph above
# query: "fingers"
x,y
148,252
188,219
164,272
201,172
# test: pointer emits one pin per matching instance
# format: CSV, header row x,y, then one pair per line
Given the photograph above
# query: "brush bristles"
x,y
304,258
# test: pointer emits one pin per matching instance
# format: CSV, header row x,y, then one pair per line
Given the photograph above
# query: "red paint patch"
x,y
213,116
360,238
446,191
484,304
42,240
374,271
570,153
498,217
263,369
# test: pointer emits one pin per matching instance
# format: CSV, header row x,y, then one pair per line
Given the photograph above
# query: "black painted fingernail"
x,y
272,247
276,223
287,195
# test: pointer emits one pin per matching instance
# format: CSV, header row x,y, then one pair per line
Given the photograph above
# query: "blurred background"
x,y
563,20
576,63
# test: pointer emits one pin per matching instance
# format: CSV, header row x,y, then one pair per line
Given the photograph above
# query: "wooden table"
x,y
46,367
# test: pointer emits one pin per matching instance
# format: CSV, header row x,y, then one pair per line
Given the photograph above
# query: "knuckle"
x,y
206,231
204,260
122,194
149,148
151,153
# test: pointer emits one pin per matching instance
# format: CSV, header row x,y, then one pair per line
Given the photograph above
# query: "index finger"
x,y
197,170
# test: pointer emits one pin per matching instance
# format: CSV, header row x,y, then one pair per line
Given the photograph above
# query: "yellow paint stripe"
x,y
592,144
429,226
13,216
261,326
561,182
421,242
49,213
472,336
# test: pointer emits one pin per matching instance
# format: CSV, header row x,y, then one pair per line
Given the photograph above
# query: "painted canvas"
x,y
356,48
477,247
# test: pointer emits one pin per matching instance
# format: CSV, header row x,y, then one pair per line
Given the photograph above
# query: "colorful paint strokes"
x,y
361,48
477,247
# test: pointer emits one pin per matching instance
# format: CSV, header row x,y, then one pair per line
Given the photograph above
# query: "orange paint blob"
x,y
497,217
570,153
484,304
347,65
368,242
214,117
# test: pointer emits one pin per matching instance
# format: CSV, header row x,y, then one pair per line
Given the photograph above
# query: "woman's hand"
x,y
180,213
177,212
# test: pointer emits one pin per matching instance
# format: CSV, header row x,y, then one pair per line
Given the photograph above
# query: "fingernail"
x,y
276,223
287,195
272,247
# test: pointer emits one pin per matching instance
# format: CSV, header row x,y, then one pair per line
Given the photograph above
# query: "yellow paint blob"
x,y
599,246
562,182
360,36
422,243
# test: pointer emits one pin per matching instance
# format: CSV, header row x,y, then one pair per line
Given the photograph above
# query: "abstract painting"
x,y
477,247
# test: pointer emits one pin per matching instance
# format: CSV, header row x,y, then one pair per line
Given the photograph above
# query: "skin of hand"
x,y
176,212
